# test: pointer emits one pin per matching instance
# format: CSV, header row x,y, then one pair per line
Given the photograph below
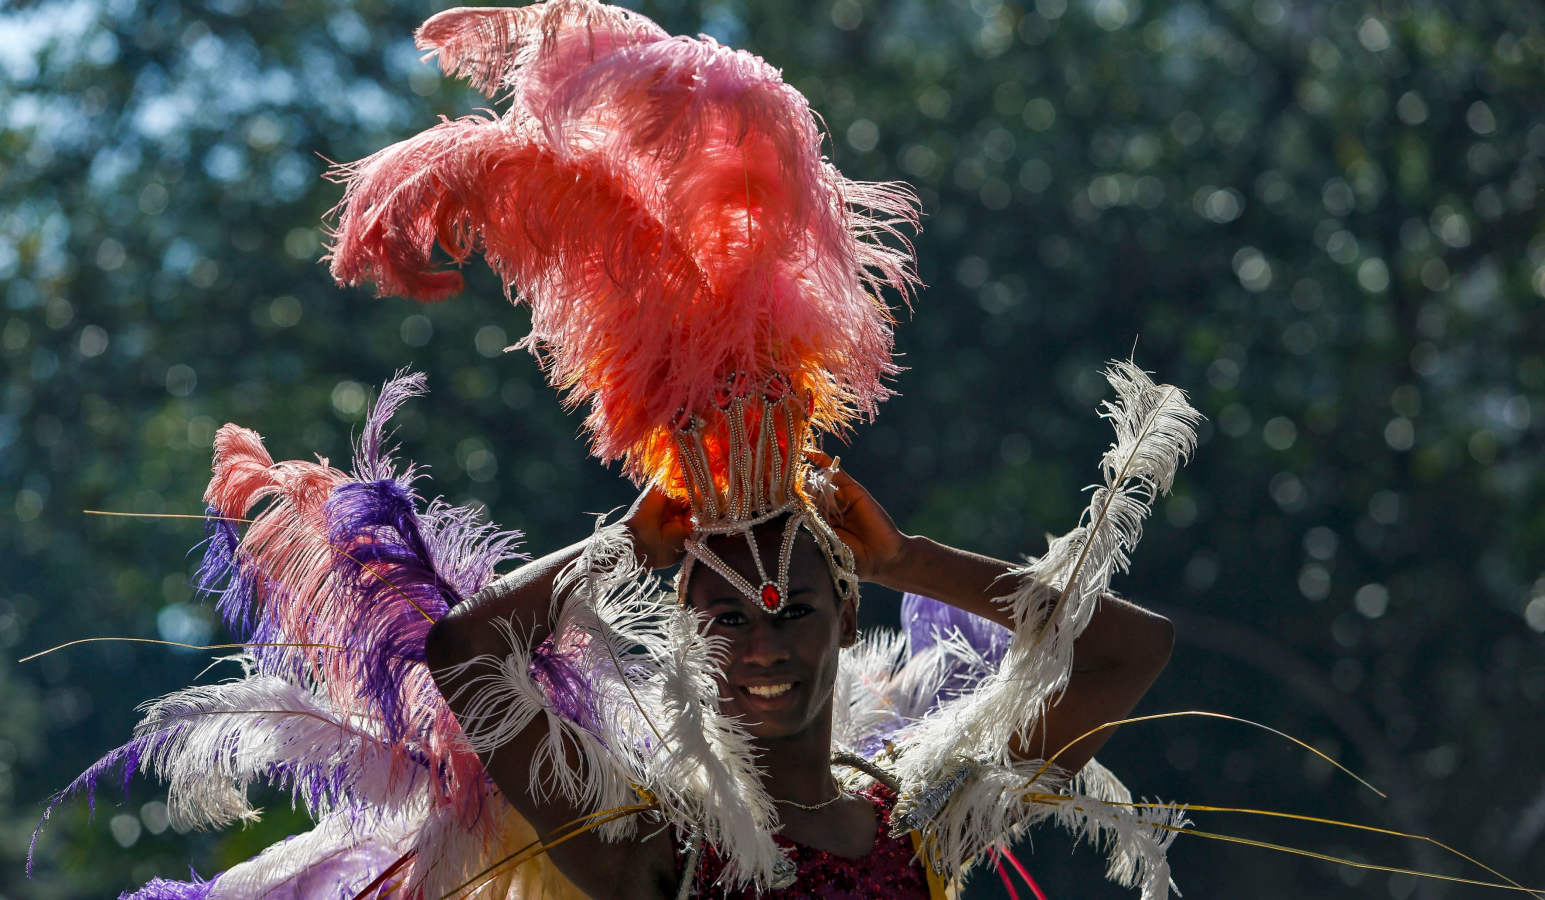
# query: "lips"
x,y
769,691
767,694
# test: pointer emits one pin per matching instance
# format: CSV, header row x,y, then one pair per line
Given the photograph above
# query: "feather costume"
x,y
643,193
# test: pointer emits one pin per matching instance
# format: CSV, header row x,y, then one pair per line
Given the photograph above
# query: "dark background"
x,y
1322,219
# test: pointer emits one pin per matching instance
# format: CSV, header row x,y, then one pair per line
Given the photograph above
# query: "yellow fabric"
x,y
535,879
936,887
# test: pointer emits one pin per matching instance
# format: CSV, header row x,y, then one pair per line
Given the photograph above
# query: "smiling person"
x,y
778,679
711,289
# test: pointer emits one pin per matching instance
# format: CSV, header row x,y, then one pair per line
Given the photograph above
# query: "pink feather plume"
x,y
662,204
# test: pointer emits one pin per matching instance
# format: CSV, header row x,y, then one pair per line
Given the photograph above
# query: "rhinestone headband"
x,y
761,434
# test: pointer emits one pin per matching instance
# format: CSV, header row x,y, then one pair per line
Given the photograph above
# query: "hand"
x,y
660,526
862,523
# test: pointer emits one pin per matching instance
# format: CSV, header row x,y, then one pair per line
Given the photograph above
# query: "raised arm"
x,y
475,628
523,598
1115,660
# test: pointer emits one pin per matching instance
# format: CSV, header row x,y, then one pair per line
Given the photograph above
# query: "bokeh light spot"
x,y
348,399
93,341
1371,600
1400,434
180,380
416,330
491,341
1279,433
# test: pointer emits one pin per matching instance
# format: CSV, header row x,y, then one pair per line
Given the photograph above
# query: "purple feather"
x,y
218,575
226,573
401,568
560,676
125,759
467,551
431,558
463,550
391,583
161,889
389,590
373,461
925,620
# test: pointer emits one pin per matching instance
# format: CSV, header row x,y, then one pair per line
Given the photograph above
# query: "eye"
x,y
729,619
796,611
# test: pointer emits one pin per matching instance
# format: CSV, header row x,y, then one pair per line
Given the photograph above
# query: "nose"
x,y
764,644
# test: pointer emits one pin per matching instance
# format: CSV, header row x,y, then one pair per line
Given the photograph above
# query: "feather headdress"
x,y
662,204
712,288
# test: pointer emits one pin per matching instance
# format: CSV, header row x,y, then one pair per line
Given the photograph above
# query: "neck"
x,y
797,767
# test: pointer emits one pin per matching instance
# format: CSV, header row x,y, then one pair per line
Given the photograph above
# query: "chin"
x,y
771,730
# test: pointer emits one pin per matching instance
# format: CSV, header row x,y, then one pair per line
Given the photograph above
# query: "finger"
x,y
833,466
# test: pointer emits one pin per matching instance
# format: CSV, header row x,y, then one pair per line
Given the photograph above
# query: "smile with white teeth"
x,y
768,691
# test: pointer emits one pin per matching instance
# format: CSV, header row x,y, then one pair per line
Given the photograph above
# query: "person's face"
x,y
780,668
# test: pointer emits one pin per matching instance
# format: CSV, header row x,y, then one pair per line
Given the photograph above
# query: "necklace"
x,y
812,806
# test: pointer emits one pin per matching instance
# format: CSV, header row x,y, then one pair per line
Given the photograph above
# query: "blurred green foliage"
x,y
1321,218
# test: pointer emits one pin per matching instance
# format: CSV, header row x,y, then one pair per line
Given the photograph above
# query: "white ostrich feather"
x,y
337,858
503,699
210,742
600,591
610,623
706,778
861,702
1155,429
1056,597
1136,841
986,810
1057,594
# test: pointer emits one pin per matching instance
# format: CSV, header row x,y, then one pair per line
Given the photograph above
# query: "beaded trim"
x,y
772,596
918,808
765,435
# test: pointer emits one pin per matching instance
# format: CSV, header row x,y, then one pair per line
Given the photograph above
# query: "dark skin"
x,y
793,651
781,669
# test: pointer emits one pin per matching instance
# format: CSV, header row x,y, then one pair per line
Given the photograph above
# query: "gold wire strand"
x,y
1326,857
1354,825
1205,714
140,640
141,515
1059,799
574,828
246,521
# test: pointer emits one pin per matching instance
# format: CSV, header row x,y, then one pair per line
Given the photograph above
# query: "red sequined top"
x,y
888,870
